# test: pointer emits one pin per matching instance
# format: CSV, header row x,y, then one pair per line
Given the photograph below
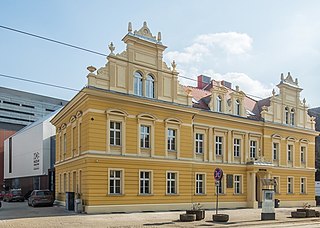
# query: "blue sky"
x,y
249,43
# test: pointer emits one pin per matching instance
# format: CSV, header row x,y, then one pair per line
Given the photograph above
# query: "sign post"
x,y
218,174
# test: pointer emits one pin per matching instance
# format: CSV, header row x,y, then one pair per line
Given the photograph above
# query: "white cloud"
x,y
207,45
246,83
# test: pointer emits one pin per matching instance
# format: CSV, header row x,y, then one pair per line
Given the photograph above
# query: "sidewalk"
x,y
238,218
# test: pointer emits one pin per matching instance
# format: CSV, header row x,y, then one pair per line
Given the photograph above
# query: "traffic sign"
x,y
218,174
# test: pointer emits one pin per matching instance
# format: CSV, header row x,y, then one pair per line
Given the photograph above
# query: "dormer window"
x,y
219,104
138,84
237,107
150,86
292,117
286,114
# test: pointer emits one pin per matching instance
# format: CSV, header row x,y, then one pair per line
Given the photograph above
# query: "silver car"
x,y
41,197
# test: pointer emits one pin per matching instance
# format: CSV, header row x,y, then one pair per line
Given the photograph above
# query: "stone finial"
x,y
237,88
159,37
91,69
304,101
129,27
282,77
188,91
289,75
112,48
264,108
174,65
145,24
296,81
273,92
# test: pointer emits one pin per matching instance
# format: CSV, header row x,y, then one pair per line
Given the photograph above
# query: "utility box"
x,y
268,212
78,206
70,201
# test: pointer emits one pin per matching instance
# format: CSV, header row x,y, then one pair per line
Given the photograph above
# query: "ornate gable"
x,y
143,55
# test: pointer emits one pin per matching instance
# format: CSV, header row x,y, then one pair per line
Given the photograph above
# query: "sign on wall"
x,y
36,161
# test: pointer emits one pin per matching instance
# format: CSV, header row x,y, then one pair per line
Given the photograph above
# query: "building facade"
x,y
19,109
28,155
135,139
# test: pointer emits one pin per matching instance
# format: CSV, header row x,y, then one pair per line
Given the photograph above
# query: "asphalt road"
x,y
15,210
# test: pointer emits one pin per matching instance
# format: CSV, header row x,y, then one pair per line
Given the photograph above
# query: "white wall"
x,y
25,143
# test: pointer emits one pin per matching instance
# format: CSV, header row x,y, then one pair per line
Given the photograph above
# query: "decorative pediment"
x,y
146,116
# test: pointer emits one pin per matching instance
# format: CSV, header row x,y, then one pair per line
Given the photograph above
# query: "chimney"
x,y
203,81
226,84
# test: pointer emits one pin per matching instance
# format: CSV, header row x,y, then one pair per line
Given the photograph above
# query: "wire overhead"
x,y
72,46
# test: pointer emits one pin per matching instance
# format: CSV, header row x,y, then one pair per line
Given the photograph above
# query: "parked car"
x,y
2,194
40,197
13,195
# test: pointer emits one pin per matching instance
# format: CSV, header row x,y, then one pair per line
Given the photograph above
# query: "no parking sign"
x,y
218,174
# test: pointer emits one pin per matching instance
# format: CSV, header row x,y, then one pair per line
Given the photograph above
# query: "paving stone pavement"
x,y
238,218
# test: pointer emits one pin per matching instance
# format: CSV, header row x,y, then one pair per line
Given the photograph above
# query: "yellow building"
x,y
135,139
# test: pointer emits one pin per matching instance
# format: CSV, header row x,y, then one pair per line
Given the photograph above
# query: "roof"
x,y
203,96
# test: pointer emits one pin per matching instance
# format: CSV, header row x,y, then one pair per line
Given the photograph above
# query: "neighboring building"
x,y
30,156
19,109
135,139
316,113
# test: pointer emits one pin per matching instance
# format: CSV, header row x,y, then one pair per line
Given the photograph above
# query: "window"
x,y
292,117
199,143
290,185
275,151
237,184
286,113
290,150
64,182
200,180
115,182
64,145
237,107
145,182
219,141
115,133
150,87
137,84
144,136
219,104
303,185
302,154
236,147
171,183
253,149
10,155
172,139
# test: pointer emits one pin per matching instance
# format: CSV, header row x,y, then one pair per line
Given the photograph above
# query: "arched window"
x,y
138,84
292,117
219,104
150,86
237,107
286,113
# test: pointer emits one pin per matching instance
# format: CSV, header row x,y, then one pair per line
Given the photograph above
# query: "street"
x,y
17,214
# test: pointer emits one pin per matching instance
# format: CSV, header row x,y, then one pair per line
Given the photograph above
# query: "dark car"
x,y
41,197
13,195
1,195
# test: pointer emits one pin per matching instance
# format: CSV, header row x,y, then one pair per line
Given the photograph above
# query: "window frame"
x,y
172,139
150,86
199,143
176,183
237,183
236,147
138,83
143,136
199,182
113,131
219,145
121,178
290,185
144,179
253,148
303,185
275,151
219,103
